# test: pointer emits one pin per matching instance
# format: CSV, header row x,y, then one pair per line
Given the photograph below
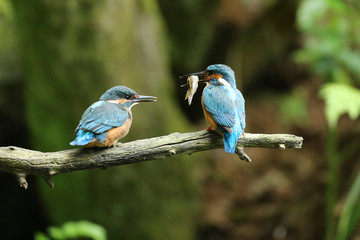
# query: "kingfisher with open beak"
x,y
109,119
222,103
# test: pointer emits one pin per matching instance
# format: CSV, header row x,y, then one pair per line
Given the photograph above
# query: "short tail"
x,y
231,138
83,138
230,141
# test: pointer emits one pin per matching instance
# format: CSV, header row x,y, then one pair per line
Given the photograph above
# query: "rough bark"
x,y
22,162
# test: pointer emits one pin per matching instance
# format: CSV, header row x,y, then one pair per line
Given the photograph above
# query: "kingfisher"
x,y
223,104
109,119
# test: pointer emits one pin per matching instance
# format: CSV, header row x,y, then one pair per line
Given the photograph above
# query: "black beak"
x,y
142,98
201,75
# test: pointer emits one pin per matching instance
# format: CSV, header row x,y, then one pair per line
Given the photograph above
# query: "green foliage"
x,y
331,40
332,50
340,99
350,216
74,230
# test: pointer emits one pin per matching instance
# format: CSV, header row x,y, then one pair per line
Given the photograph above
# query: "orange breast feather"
x,y
113,135
209,119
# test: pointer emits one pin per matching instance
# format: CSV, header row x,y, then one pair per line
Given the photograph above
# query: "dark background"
x,y
292,60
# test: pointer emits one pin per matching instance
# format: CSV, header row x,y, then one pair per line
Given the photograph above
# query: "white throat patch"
x,y
116,102
224,82
113,101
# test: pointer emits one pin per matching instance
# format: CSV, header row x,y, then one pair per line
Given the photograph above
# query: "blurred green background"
x,y
297,63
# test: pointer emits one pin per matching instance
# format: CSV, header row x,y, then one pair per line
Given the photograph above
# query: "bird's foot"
x,y
210,129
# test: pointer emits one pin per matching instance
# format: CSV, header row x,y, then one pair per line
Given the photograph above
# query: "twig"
x,y
22,162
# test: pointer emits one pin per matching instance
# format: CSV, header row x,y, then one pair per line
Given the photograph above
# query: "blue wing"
x,y
227,107
99,118
219,102
240,106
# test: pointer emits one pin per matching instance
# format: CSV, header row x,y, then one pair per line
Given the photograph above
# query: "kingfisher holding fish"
x,y
109,119
223,104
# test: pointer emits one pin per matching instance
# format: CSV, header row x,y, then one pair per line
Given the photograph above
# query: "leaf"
x,y
350,217
340,99
351,61
309,13
41,236
75,230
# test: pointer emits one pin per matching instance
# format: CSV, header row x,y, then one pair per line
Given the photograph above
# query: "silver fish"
x,y
192,81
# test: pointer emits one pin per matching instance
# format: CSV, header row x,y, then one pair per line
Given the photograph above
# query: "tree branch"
x,y
22,162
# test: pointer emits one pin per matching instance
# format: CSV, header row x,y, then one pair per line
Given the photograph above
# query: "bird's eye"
x,y
128,96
